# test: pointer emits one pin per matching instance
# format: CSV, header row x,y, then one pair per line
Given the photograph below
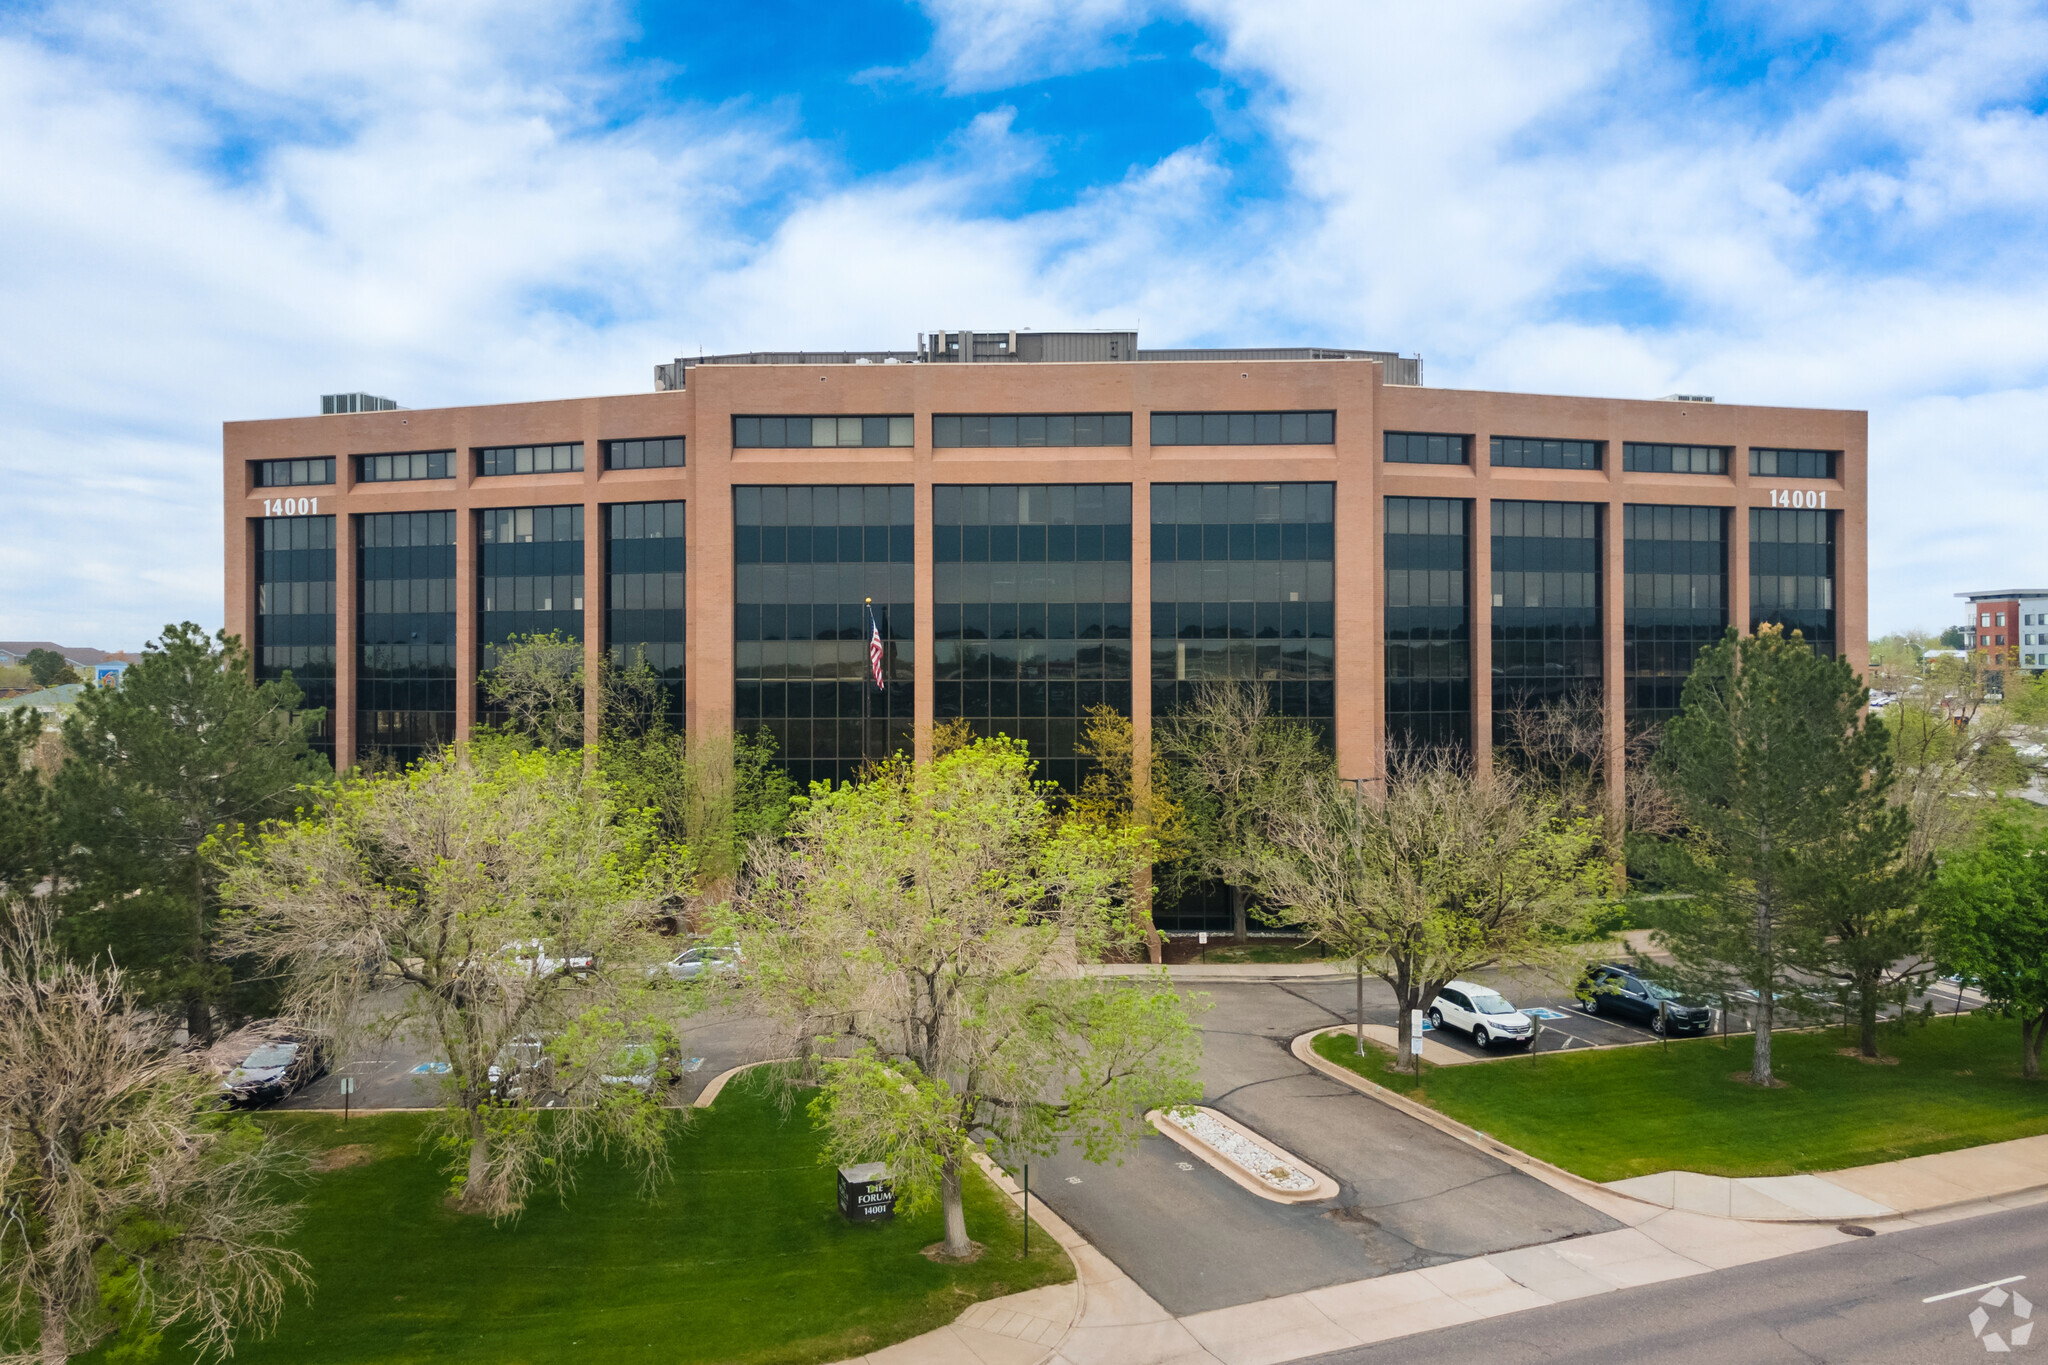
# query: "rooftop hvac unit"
x,y
334,403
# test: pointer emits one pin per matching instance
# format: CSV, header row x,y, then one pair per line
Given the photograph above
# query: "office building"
x,y
1037,523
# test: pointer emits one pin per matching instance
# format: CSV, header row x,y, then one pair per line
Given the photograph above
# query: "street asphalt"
x,y
1409,1195
1862,1303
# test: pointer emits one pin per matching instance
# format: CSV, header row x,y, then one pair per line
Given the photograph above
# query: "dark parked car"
x,y
1619,993
274,1068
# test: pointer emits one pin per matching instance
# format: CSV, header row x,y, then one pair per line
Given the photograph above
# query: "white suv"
x,y
1481,1012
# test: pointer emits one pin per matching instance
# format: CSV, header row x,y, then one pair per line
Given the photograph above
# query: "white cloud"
x,y
226,209
979,46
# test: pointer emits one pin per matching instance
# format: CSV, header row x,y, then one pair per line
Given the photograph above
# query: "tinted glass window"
x,y
295,612
782,432
1663,459
646,574
1530,453
294,473
1792,573
1243,428
405,633
1419,447
419,464
665,453
1032,613
1031,429
1674,595
1426,551
1547,650
808,559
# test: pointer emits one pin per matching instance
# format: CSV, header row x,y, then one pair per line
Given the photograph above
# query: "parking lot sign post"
x,y
1415,1038
348,1088
1202,937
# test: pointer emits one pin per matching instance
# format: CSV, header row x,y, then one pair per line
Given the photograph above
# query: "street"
x,y
1861,1302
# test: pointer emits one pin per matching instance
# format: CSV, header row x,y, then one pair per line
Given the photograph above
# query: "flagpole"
x,y
866,681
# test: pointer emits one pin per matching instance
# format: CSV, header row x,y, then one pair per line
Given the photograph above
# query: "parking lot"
x,y
1409,1196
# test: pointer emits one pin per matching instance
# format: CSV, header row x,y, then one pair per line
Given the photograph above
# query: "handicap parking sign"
x,y
431,1069
1540,1013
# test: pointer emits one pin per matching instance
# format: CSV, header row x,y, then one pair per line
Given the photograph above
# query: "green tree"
x,y
1952,638
1940,760
920,931
713,795
1860,887
25,850
1988,914
48,668
188,743
1234,767
1438,874
1774,767
458,892
129,1203
1133,812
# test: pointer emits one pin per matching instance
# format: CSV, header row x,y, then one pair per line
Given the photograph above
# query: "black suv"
x,y
1619,993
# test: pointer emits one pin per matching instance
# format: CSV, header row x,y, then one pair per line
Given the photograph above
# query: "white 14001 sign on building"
x,y
290,507
1799,497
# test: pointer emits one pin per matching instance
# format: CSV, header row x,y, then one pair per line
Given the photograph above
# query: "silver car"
x,y
703,960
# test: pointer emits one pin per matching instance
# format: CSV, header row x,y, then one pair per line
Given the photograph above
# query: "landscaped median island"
x,y
741,1257
1613,1113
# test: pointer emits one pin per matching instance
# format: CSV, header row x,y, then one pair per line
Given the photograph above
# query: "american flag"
x,y
875,650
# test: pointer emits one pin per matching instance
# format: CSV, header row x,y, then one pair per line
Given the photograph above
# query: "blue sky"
x,y
220,209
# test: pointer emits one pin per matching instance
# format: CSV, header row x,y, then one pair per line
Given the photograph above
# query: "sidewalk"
x,y
1112,1321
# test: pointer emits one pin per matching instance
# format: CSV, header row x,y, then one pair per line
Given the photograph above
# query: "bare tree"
x,y
927,921
537,681
510,903
128,1203
1234,767
1562,744
1438,875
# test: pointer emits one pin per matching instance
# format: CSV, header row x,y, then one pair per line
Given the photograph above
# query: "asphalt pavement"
x,y
1409,1196
1862,1303
401,1072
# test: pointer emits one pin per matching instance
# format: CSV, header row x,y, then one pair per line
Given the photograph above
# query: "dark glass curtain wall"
x,y
1792,573
805,560
646,566
1546,609
295,613
1244,587
1674,595
405,634
1032,611
1429,623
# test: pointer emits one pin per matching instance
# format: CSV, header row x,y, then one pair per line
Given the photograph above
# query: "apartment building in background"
x,y
1035,523
2007,628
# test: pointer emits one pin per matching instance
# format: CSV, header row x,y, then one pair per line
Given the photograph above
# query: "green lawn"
x,y
1622,1112
742,1258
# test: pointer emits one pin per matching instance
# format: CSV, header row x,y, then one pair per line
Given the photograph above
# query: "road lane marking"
x,y
1988,1284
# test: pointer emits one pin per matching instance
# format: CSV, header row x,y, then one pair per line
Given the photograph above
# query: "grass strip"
x,y
743,1257
1609,1114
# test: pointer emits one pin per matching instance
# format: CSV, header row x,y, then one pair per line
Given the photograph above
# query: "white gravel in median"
x,y
1241,1151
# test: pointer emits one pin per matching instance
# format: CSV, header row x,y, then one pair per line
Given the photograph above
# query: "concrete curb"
x,y
1324,1188
717,1083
